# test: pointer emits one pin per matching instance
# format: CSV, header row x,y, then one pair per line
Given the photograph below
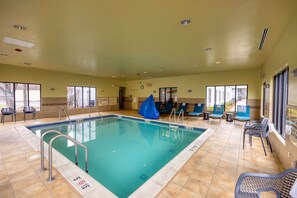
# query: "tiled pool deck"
x,y
211,172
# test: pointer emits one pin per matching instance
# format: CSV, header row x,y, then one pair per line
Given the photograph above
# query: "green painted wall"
x,y
197,83
59,81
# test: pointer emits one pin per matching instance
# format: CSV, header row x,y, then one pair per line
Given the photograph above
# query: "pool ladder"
x,y
50,152
179,118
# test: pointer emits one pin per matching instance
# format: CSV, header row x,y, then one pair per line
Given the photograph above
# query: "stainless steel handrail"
x,y
170,116
42,147
96,110
181,113
67,115
50,155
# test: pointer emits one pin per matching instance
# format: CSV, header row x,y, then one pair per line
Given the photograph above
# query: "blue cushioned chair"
x,y
243,113
158,105
198,109
218,112
168,108
252,184
182,107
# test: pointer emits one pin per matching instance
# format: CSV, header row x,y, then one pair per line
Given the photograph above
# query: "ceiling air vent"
x,y
264,34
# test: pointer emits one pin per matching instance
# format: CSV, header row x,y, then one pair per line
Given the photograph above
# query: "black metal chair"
x,y
8,111
29,110
250,185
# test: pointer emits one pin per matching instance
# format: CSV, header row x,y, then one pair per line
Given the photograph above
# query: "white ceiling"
x,y
115,38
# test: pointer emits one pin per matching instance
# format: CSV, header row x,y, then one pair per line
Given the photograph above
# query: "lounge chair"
x,y
167,109
243,113
253,184
182,107
7,112
218,112
198,109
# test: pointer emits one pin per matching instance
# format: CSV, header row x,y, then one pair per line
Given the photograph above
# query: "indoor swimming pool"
x,y
123,152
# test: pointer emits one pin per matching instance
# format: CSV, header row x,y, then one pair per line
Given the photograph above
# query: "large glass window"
x,y
78,97
167,93
230,96
19,95
280,100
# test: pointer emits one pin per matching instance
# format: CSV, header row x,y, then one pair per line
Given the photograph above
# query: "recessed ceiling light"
x,y
20,27
145,72
185,22
18,42
218,62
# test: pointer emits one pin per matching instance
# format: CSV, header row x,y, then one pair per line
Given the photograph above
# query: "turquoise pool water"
x,y
123,152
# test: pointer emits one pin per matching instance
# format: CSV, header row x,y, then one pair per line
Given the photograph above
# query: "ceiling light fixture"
x,y
185,22
20,27
18,42
263,38
145,72
218,62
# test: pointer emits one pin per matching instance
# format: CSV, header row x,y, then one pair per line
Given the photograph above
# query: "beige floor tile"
x,y
23,182
202,175
31,190
172,190
64,191
185,193
219,193
198,187
43,194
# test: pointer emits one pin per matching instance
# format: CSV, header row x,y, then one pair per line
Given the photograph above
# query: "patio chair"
x,y
258,130
252,184
182,107
29,110
243,113
167,109
7,112
218,112
198,109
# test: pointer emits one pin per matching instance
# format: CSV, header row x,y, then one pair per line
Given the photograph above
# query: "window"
x,y
20,95
280,100
79,97
230,96
167,93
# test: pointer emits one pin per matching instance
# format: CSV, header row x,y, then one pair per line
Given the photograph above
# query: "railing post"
x,y
42,147
50,155
76,158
